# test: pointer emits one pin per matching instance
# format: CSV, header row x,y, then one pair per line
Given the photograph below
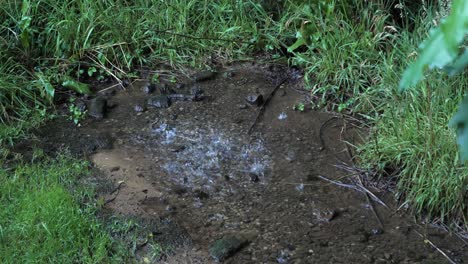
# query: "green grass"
x,y
41,219
49,215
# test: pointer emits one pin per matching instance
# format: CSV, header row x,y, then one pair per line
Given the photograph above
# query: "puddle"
x,y
195,164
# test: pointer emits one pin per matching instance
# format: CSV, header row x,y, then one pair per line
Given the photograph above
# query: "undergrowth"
x,y
49,214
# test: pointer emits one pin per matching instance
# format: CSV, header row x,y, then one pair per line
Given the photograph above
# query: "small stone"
x,y
376,231
139,108
242,106
225,247
170,208
159,101
149,88
116,168
255,99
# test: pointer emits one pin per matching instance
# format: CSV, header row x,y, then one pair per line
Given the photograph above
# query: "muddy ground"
x,y
195,165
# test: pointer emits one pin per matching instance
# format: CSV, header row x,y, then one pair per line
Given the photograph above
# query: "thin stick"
x,y
369,201
262,108
340,183
110,87
426,240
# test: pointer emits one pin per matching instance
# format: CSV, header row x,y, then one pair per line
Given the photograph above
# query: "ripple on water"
x,y
211,156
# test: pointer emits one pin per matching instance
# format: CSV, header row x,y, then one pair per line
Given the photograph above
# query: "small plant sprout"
x,y
77,113
91,71
299,107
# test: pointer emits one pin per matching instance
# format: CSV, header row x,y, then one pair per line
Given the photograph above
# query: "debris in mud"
x,y
159,101
284,256
225,247
256,99
97,108
203,76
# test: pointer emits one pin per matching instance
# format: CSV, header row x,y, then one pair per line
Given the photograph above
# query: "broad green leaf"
x,y
441,48
303,36
460,123
79,87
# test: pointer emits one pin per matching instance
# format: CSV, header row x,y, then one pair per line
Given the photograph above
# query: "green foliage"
x,y
339,54
442,47
441,51
41,222
411,141
76,113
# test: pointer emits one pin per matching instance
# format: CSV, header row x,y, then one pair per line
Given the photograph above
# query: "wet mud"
x,y
194,163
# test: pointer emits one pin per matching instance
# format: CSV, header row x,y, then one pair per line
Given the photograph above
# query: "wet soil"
x,y
195,164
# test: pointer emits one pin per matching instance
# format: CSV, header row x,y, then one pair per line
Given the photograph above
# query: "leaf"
x,y
441,48
79,87
458,65
303,36
460,123
45,83
91,71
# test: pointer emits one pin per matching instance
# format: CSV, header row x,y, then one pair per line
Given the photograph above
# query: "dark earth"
x,y
240,197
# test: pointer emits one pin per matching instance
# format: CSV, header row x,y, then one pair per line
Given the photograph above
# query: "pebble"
x,y
254,99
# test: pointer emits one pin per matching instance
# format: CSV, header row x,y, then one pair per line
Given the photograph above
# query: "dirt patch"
x,y
194,163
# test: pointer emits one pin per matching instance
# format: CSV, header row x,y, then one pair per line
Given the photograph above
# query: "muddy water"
x,y
194,163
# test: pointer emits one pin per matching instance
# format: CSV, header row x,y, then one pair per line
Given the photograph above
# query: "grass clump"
x,y
42,222
411,140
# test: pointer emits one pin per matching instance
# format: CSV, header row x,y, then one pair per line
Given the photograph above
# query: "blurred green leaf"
x,y
44,83
79,87
441,48
460,123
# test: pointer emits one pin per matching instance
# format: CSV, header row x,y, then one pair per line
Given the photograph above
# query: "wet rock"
x,y
125,83
170,208
97,108
203,76
225,247
255,99
325,215
284,256
376,231
139,108
159,101
149,88
196,92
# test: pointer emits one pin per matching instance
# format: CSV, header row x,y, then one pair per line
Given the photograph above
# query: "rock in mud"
x,y
97,108
225,247
149,88
255,99
139,108
159,101
203,76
